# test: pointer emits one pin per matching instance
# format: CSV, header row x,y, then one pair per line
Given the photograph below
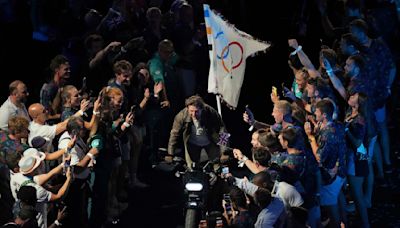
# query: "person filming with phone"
x,y
236,210
81,158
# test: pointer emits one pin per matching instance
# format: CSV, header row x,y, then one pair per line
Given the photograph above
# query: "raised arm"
x,y
304,58
103,53
63,188
44,178
335,80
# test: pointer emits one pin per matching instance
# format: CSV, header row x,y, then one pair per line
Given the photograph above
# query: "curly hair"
x,y
17,125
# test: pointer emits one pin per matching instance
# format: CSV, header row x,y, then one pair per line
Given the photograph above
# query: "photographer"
x,y
72,101
261,157
77,197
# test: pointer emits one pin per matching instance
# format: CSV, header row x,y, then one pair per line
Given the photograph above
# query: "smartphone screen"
x,y
227,200
225,170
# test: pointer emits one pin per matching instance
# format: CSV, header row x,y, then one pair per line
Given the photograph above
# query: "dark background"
x,y
27,60
272,21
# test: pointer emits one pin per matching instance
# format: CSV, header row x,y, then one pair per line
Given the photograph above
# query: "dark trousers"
x,y
77,203
195,151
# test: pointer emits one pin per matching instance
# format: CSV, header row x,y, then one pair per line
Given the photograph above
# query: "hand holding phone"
x,y
274,95
288,93
225,171
132,109
274,91
227,204
250,115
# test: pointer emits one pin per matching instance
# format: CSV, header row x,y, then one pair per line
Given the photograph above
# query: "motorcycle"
x,y
197,180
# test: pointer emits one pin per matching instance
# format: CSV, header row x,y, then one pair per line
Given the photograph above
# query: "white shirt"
x,y
288,193
43,196
78,152
290,196
45,131
8,110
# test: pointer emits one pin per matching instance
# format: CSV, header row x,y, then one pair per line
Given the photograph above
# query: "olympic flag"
x,y
229,49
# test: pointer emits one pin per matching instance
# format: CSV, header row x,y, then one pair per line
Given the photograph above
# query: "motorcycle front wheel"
x,y
190,219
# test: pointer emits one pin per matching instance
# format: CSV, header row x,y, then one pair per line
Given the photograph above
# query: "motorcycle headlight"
x,y
195,187
192,204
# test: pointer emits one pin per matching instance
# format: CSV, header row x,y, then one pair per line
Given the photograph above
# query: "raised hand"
x,y
146,93
311,119
112,45
307,128
61,214
129,118
245,117
165,104
274,97
327,65
237,154
97,104
72,142
158,87
249,116
84,105
289,94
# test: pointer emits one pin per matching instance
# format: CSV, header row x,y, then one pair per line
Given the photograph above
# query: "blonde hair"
x,y
284,106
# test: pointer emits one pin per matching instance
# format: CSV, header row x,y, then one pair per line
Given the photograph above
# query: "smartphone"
x,y
132,109
283,88
274,91
250,114
92,99
225,170
227,199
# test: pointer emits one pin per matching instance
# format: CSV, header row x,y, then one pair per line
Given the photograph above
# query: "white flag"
x,y
229,49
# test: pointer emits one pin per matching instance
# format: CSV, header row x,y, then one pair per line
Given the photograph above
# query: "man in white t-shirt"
x,y
288,193
38,125
29,166
81,157
15,104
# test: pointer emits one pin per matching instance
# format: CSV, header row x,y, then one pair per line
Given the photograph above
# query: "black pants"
x,y
77,203
195,151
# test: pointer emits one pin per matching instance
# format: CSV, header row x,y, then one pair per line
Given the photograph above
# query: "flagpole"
x,y
219,104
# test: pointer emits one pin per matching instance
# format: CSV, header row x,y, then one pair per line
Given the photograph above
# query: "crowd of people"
x,y
70,158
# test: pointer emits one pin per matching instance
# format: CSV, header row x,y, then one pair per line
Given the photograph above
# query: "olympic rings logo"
x,y
225,52
223,42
